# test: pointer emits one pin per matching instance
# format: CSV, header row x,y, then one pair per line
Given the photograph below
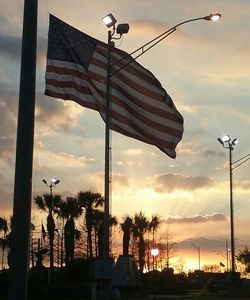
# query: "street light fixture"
x,y
229,144
109,20
213,17
53,183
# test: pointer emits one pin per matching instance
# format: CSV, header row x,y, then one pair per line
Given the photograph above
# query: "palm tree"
x,y
126,227
50,204
3,240
98,225
70,210
152,227
90,201
140,228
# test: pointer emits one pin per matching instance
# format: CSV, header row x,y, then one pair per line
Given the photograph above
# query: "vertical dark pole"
x,y
107,152
199,256
51,244
231,211
20,241
227,255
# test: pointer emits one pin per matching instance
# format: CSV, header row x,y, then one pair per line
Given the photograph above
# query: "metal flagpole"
x,y
107,149
20,240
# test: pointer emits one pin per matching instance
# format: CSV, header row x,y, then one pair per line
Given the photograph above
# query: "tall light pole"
x,y
229,144
121,29
198,248
53,183
110,21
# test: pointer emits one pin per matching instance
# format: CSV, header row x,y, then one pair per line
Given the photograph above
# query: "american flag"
x,y
140,106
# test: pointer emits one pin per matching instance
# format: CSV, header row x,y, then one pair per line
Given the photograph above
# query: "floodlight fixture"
x,y
122,28
55,181
226,138
235,141
109,20
213,17
220,140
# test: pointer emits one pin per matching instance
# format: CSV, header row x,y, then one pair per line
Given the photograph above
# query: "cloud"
x,y
167,183
121,180
10,46
134,152
244,185
212,153
56,115
149,26
215,217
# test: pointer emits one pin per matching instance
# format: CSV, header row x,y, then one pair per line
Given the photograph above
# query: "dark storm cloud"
x,y
204,243
170,182
215,217
211,153
8,115
10,46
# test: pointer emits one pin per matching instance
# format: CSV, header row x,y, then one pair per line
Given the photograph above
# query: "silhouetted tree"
x,y
169,247
152,228
139,229
49,203
127,228
3,240
244,258
98,224
70,210
90,201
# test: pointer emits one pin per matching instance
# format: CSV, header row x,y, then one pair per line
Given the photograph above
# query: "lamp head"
x,y
122,28
235,141
220,141
226,138
213,17
55,181
109,20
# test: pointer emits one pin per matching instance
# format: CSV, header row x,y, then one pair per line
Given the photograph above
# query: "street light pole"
x,y
229,144
231,209
110,21
53,183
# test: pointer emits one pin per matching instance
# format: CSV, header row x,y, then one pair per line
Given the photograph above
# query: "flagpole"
x,y
20,239
107,151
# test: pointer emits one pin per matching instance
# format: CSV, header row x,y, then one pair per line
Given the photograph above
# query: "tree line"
x,y
138,231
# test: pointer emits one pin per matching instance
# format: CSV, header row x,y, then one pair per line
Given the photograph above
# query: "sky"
x,y
204,67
